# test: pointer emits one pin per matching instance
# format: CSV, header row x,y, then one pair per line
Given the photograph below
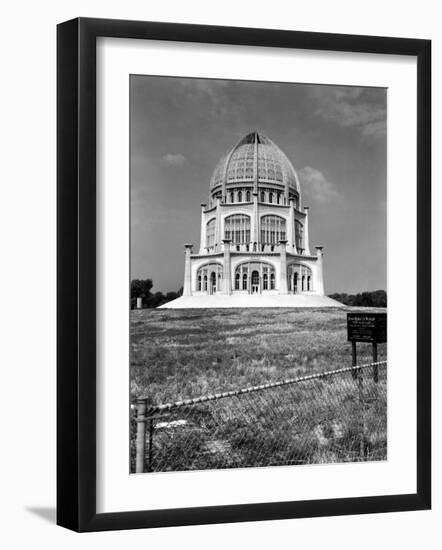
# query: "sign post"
x,y
369,328
375,360
353,357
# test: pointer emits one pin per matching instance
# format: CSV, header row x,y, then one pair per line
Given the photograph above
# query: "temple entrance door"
x,y
255,282
212,282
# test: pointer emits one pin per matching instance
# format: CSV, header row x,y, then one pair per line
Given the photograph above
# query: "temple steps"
x,y
251,300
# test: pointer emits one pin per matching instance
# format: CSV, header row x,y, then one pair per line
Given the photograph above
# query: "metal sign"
x,y
367,327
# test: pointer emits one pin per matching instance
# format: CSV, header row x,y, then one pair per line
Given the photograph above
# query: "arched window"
x,y
270,197
237,228
207,274
265,281
248,196
272,281
232,197
244,281
299,277
263,197
272,229
240,196
210,232
237,281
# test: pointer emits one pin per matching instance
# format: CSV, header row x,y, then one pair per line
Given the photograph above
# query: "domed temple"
x,y
254,235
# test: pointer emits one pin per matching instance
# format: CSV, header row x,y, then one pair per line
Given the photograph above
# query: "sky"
x,y
334,136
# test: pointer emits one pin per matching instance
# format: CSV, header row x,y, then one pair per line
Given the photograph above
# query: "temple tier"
x,y
254,230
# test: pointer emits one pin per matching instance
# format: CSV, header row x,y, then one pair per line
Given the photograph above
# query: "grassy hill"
x,y
178,354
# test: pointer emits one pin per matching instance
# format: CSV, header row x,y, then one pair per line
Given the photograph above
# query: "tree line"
x,y
141,288
374,298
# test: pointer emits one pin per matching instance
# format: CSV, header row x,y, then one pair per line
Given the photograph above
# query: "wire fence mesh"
x,y
336,416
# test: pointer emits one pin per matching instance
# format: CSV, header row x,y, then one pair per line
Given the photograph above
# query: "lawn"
x,y
180,354
183,354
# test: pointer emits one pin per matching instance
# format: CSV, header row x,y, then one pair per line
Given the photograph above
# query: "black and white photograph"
x,y
258,274
219,319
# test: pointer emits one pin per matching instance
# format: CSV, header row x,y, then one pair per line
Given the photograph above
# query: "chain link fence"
x,y
336,416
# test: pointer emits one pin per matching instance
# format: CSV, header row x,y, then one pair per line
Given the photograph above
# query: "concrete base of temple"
x,y
247,300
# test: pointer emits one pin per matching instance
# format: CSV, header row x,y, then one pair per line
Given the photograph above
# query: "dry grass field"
x,y
179,354
183,354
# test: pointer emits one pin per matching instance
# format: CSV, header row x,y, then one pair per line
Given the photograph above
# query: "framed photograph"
x,y
243,274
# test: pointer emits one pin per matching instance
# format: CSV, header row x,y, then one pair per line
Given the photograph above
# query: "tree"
x,y
375,298
158,299
140,288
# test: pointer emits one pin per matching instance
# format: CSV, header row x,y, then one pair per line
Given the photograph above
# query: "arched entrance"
x,y
254,277
255,282
299,278
209,278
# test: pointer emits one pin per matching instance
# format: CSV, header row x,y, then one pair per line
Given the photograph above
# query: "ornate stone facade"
x,y
254,230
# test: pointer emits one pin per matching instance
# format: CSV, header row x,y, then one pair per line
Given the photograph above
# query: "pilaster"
x,y
283,267
227,267
254,229
203,229
291,227
218,225
306,237
187,286
319,271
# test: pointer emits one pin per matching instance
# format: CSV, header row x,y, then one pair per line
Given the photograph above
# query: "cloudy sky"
x,y
334,136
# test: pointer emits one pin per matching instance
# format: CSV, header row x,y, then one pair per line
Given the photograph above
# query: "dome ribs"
x,y
255,162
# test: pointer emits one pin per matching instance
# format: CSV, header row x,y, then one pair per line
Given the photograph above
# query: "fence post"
x,y
149,465
141,435
375,360
362,414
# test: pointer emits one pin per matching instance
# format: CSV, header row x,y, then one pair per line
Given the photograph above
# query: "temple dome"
x,y
255,158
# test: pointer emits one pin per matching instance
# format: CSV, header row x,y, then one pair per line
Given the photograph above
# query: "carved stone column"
x,y
291,235
283,267
319,271
203,229
218,235
227,267
187,286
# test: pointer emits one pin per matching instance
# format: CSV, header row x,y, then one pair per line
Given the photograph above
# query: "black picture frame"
x,y
76,273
